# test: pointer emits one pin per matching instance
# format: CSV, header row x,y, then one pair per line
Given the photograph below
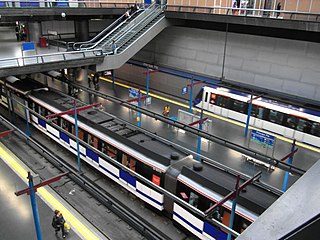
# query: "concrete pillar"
x,y
81,27
34,32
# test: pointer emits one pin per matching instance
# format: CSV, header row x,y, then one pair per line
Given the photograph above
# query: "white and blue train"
x,y
285,120
199,185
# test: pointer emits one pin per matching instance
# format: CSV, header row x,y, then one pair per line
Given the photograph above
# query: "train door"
x,y
205,100
125,176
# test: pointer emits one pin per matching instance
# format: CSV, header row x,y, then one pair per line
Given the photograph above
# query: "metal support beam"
x,y
3,134
290,160
43,183
232,194
138,99
199,121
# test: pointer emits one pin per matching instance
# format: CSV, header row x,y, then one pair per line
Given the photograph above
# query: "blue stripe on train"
x,y
187,222
65,137
91,154
42,122
214,232
128,178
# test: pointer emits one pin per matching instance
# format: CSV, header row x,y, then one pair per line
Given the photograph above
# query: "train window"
x,y
213,98
239,106
65,125
199,95
291,122
223,101
275,117
129,162
194,199
302,125
315,129
42,111
132,164
92,141
112,152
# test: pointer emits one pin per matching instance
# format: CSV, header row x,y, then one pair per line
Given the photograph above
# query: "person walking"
x,y
17,32
114,47
58,223
278,9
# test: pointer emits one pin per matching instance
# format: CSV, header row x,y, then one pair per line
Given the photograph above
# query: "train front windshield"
x,y
198,98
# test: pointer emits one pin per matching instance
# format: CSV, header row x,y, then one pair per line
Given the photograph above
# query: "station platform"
x,y
17,220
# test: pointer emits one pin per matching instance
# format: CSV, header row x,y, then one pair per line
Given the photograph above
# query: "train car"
x,y
199,185
287,120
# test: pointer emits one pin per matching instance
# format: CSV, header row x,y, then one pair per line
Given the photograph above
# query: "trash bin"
x,y
43,42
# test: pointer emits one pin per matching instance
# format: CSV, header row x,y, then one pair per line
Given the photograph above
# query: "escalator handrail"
x,y
98,35
126,30
151,15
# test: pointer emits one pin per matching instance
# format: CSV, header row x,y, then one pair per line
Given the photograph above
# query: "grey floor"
x,y
16,219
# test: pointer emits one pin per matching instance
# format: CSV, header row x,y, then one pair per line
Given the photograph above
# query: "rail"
x,y
248,12
48,58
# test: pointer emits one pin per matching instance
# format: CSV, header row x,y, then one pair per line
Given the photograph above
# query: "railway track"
x,y
89,184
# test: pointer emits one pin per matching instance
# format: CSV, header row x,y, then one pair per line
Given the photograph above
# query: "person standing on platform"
x,y
166,110
18,32
278,9
58,223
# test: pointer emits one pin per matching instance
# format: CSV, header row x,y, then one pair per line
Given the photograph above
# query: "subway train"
x,y
199,185
287,120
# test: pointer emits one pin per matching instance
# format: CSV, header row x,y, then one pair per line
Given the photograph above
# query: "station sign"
x,y
133,93
28,46
262,138
184,90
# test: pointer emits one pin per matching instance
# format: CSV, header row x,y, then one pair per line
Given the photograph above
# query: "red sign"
x,y
184,195
156,179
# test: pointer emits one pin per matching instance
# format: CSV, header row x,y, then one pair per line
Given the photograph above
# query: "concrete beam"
x,y
36,68
250,21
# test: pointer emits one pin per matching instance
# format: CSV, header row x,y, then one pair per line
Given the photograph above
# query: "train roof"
x,y
23,86
255,198
276,103
117,129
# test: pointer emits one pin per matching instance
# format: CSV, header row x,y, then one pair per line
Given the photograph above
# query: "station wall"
x,y
288,66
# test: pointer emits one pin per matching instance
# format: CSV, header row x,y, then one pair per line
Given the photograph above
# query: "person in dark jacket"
x,y
58,223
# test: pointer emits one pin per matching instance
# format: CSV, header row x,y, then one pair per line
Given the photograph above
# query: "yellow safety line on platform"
x,y
74,222
217,116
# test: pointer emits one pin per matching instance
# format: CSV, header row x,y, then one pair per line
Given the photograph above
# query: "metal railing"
x,y
48,58
64,4
137,29
250,12
137,25
120,23
79,45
